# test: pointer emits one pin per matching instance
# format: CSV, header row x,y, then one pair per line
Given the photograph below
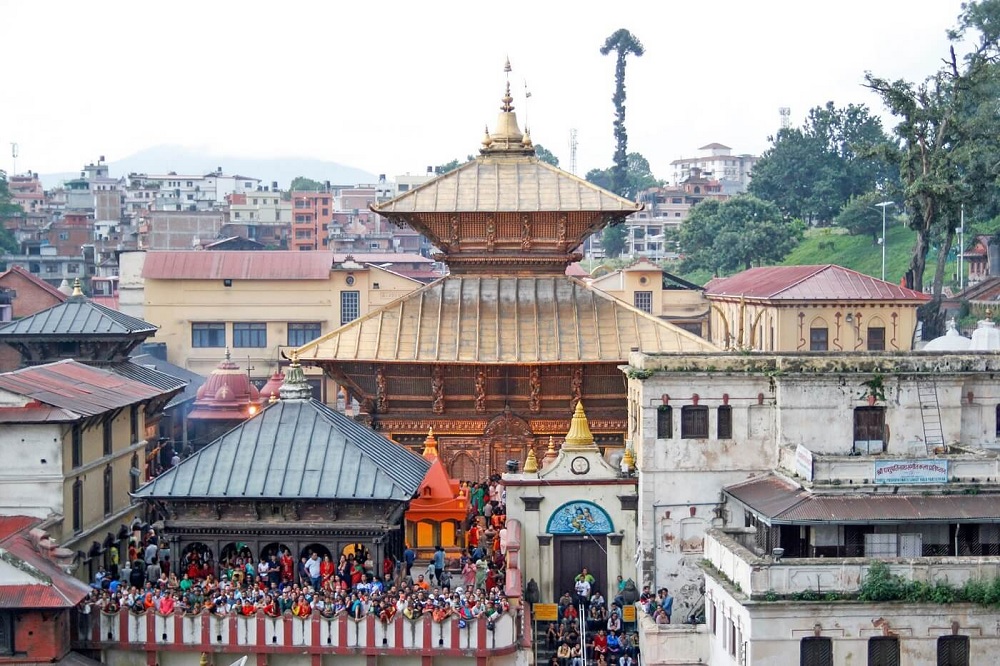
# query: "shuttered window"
x,y
953,651
724,423
883,651
664,422
694,422
816,651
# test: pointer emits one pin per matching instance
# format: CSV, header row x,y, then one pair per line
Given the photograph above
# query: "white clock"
x,y
580,465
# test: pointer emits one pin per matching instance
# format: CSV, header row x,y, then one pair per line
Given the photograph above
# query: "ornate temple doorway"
x,y
506,437
579,529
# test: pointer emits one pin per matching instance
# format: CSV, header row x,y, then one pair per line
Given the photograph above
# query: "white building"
x,y
770,485
175,192
717,161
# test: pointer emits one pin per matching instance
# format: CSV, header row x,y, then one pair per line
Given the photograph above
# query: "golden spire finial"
x,y
77,288
531,464
526,141
507,100
487,140
204,659
295,358
628,459
579,435
430,445
550,453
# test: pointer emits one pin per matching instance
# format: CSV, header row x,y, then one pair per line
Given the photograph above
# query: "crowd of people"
x,y
277,585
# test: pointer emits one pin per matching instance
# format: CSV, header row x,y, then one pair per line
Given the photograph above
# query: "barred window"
x,y
724,422
664,422
78,505
818,339
350,306
643,300
109,490
876,339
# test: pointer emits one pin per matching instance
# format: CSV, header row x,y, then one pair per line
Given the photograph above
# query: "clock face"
x,y
580,465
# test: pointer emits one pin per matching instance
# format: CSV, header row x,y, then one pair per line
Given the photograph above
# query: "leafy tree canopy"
x,y
303,184
862,216
545,155
736,234
8,210
451,166
812,171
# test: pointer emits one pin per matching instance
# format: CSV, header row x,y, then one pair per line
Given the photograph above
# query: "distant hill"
x,y
188,161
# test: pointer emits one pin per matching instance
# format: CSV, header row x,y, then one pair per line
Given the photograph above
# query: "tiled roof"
x,y
472,319
491,185
32,596
810,283
54,588
781,502
41,284
11,525
80,389
77,316
237,265
295,449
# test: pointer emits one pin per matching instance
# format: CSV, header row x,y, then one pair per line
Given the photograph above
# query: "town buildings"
x,y
717,161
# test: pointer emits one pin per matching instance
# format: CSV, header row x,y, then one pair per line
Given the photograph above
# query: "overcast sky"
x,y
391,87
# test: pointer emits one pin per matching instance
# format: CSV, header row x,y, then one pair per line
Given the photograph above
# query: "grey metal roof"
x,y
76,316
295,449
170,375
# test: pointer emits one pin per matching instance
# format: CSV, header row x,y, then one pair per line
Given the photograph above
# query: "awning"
x,y
779,502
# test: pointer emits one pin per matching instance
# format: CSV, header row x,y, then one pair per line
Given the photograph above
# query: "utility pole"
x,y
13,155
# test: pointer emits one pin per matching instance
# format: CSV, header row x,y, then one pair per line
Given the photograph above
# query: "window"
x,y
63,235
816,651
664,422
869,429
300,334
77,445
133,423
350,306
133,474
694,422
643,300
6,634
998,420
818,339
724,422
108,439
72,268
108,490
953,651
236,215
883,651
78,505
249,335
208,335
876,339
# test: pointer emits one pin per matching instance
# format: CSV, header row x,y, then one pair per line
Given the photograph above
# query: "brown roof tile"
x,y
810,283
237,265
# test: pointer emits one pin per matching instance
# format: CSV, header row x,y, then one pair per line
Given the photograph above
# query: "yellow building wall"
x,y
675,304
786,327
173,305
91,473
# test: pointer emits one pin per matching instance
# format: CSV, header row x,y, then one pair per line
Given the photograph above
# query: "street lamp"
x,y
883,206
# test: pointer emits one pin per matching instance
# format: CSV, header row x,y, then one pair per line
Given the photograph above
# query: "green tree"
x,y
947,152
736,234
812,171
303,184
545,155
862,217
624,44
8,210
638,177
451,166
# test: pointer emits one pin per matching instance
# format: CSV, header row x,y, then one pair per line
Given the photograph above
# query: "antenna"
x,y
527,94
13,155
786,117
572,151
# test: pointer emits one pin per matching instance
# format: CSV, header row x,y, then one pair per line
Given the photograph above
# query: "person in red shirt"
x,y
287,567
326,571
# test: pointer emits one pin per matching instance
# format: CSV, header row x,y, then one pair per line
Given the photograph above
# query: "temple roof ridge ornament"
x,y
295,386
579,436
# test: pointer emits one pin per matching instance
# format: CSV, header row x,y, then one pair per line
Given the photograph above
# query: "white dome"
x,y
952,340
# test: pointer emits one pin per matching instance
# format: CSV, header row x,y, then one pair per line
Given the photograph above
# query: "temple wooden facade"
x,y
496,355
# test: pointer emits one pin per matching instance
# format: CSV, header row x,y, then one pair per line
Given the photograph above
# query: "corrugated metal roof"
x,y
55,589
237,265
192,380
11,525
504,183
476,319
780,503
33,596
81,389
77,316
295,449
810,283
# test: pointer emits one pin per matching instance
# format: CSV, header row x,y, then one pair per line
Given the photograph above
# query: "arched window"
x,y
109,489
78,505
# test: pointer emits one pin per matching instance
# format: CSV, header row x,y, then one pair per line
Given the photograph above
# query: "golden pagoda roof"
x,y
505,182
503,319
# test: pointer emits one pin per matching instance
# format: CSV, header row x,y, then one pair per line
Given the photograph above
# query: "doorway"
x,y
571,554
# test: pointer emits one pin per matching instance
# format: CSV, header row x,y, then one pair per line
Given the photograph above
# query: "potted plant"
x,y
873,389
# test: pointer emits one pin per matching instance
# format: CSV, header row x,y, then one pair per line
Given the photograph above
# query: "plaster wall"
x,y
31,480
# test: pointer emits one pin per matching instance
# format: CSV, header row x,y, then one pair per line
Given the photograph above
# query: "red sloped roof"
x,y
33,596
810,283
237,265
40,283
437,496
55,589
11,525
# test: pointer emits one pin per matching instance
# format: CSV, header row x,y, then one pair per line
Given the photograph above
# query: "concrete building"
x,y
178,230
312,212
717,161
178,192
769,486
811,308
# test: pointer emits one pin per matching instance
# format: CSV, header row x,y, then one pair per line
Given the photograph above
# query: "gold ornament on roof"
x,y
77,288
579,435
430,445
531,464
629,459
487,140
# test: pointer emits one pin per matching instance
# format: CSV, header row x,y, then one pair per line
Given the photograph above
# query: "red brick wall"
x,y
39,637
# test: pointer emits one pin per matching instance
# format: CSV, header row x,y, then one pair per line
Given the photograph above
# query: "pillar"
x,y
545,582
615,568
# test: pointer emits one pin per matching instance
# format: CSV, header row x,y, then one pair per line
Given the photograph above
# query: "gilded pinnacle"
x,y
77,288
531,464
579,435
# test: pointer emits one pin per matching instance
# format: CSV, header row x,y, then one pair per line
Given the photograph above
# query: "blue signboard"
x,y
580,518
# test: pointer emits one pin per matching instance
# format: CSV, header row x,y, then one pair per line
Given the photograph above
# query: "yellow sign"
x,y
628,613
547,612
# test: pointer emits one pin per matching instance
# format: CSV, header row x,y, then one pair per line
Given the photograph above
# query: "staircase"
x,y
930,413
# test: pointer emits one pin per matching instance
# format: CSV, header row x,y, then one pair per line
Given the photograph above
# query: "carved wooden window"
x,y
816,651
109,490
724,422
77,505
664,422
876,339
643,300
953,651
694,422
869,429
818,339
883,651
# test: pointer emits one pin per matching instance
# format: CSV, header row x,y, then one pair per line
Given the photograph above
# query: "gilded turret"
x,y
550,453
579,436
507,137
430,446
531,464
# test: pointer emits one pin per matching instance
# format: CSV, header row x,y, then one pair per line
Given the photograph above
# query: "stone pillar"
x,y
615,564
531,566
545,561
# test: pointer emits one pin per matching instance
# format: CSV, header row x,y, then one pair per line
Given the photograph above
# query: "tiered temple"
x,y
496,355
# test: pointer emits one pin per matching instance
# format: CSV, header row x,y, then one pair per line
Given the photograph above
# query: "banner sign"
x,y
804,462
893,472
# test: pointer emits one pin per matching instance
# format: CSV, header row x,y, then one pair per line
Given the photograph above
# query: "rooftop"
x,y
77,316
237,265
826,282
